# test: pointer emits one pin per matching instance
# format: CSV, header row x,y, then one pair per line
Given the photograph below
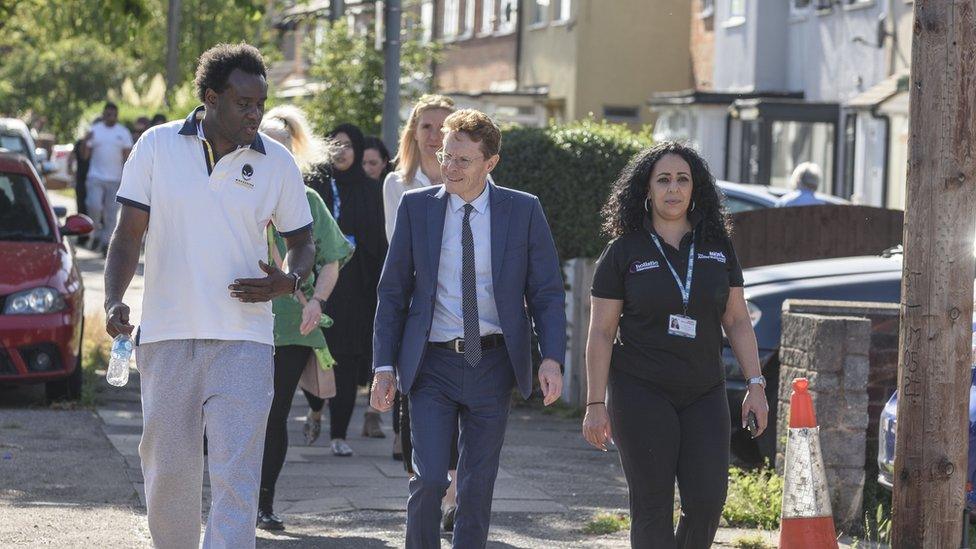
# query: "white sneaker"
x,y
340,448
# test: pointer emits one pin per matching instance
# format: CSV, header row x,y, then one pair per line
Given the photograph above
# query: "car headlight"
x,y
755,313
34,302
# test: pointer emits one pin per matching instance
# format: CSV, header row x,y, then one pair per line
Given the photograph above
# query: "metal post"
x,y
391,74
172,46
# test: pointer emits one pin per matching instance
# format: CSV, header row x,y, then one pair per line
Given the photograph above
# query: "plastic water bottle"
x,y
118,365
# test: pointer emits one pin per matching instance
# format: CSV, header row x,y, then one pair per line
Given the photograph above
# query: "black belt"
x,y
457,345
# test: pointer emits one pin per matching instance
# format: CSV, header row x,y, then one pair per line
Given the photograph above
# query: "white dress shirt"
x,y
448,321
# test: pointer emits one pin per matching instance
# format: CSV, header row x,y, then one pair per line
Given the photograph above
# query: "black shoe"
x,y
447,520
269,521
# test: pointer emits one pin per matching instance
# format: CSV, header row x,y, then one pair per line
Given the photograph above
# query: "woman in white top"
x,y
416,159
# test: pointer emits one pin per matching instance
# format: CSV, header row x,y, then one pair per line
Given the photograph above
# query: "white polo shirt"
x,y
107,147
208,229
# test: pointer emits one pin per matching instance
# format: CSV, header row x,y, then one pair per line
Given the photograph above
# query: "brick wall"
x,y
473,65
702,48
831,352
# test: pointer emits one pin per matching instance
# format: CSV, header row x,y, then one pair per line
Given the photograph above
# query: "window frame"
x,y
507,27
451,21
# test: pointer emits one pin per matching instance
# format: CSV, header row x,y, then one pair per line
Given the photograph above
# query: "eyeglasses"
x,y
461,162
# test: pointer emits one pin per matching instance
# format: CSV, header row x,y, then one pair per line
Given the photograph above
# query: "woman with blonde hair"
x,y
416,158
299,316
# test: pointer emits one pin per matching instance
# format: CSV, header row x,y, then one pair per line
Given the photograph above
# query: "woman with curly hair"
x,y
668,283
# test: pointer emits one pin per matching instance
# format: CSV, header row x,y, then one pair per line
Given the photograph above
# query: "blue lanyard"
x,y
686,287
336,201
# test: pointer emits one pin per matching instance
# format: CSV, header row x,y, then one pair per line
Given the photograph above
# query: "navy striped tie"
x,y
469,293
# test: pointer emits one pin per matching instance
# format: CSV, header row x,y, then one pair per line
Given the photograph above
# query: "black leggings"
x,y
289,361
663,433
342,404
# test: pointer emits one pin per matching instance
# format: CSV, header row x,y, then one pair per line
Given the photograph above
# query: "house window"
x,y
561,10
427,20
824,5
468,18
737,8
452,10
630,115
801,4
487,16
845,188
799,141
508,16
539,9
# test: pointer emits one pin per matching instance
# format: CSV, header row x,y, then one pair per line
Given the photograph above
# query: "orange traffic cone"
x,y
807,521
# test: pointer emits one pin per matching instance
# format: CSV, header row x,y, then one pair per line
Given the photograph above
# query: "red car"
x,y
41,291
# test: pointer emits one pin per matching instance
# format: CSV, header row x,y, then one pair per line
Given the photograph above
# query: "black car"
x,y
865,278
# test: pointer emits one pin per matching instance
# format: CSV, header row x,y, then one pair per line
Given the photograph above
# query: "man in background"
x,y
106,146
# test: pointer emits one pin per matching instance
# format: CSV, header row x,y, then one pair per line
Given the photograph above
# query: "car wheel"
x,y
68,388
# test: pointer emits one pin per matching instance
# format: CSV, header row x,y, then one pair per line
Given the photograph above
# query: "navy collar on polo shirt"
x,y
190,128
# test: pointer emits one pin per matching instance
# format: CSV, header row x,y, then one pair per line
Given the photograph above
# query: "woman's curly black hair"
x,y
218,62
624,210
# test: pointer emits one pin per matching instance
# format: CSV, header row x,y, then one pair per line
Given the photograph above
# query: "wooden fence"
x,y
782,235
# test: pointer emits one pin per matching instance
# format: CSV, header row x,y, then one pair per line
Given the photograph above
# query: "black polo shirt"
x,y
633,270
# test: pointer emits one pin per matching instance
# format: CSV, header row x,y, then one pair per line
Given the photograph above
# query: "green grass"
x,y
751,542
607,523
755,499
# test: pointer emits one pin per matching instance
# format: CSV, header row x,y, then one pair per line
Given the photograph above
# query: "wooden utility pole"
x,y
937,280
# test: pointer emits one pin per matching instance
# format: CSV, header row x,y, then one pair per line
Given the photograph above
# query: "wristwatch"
x,y
321,302
298,281
758,380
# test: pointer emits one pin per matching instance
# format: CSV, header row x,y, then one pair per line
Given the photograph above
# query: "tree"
x,y
58,83
349,70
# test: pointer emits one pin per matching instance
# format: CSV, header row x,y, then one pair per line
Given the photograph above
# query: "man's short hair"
x,y
806,176
110,106
218,62
479,127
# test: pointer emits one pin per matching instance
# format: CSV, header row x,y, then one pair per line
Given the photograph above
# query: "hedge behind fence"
x,y
570,168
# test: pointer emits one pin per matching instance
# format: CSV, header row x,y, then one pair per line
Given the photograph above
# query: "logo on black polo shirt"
x,y
641,266
714,256
247,171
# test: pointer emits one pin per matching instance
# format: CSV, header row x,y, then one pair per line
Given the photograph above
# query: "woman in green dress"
x,y
298,317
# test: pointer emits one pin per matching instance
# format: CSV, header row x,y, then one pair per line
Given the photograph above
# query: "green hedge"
x,y
570,168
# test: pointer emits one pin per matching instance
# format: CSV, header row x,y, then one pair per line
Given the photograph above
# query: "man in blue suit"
x,y
468,266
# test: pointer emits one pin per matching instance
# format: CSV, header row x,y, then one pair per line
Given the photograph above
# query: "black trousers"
x,y
289,361
665,433
346,370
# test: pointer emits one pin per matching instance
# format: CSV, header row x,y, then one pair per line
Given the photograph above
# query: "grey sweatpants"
x,y
188,385
102,207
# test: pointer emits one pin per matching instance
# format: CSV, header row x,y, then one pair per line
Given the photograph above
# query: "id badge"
x,y
682,326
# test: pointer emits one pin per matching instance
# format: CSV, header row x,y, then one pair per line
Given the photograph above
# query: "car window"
x,y
21,212
735,205
13,143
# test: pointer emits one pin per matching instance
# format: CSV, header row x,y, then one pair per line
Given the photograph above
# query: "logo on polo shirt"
x,y
247,171
714,256
640,266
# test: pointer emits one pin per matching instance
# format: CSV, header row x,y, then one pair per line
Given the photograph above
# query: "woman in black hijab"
x,y
356,202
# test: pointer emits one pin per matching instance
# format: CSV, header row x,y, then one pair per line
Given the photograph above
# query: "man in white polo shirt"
x,y
204,191
106,146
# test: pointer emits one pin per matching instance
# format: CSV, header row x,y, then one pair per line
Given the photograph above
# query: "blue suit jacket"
x,y
525,273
